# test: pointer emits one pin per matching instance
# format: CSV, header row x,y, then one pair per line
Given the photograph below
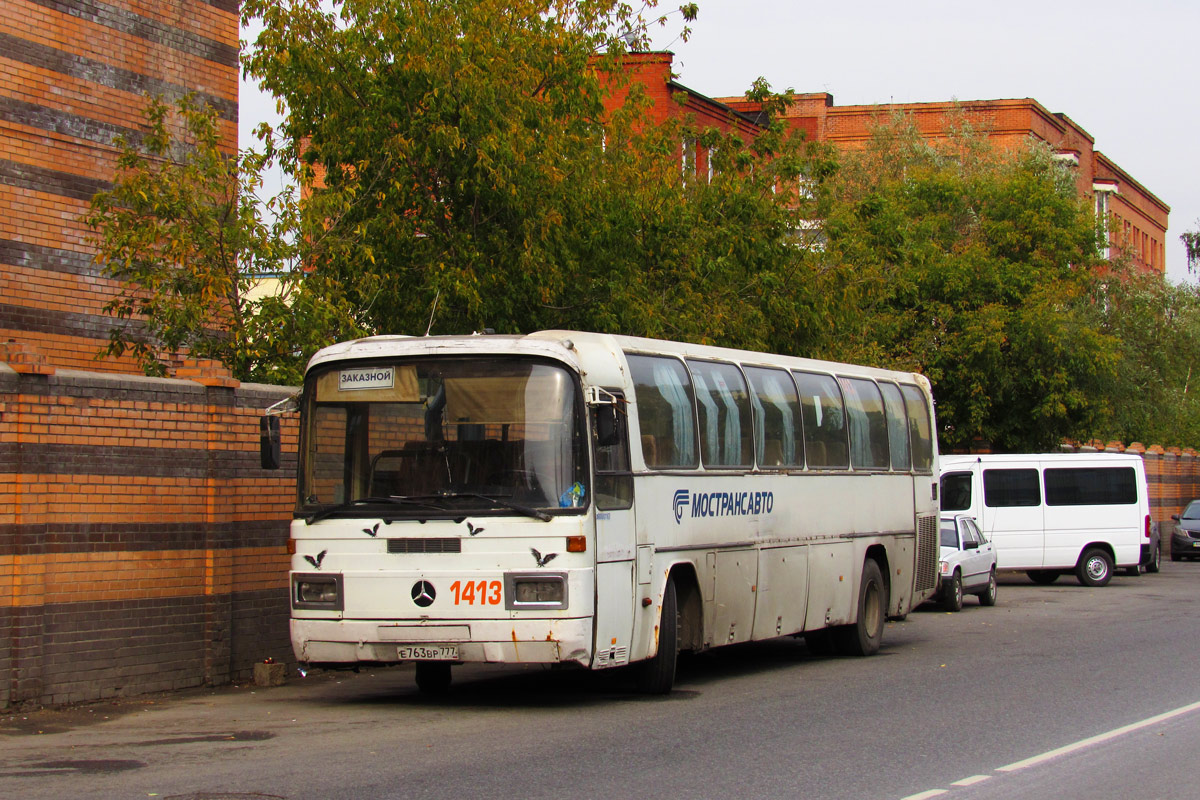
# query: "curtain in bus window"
x,y
682,431
893,406
709,423
777,416
918,427
724,414
868,429
824,421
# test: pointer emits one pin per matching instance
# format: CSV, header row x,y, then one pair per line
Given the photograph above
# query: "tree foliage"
x,y
465,152
973,265
183,233
462,172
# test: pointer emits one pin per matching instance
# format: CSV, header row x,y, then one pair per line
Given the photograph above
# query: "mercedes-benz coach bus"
x,y
594,500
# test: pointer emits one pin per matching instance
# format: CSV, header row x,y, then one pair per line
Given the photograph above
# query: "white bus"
x,y
595,500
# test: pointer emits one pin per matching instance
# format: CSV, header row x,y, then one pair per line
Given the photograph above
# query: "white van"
x,y
1054,512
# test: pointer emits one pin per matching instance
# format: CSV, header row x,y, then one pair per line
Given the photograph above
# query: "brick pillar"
x,y
218,558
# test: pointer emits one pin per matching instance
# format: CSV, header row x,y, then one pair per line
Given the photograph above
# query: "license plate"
x,y
1195,544
427,652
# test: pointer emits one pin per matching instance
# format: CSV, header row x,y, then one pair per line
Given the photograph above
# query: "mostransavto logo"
x,y
722,504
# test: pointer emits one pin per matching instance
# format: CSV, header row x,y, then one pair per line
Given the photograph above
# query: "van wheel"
x,y
1095,567
863,637
657,675
988,596
1043,577
1155,563
952,594
433,677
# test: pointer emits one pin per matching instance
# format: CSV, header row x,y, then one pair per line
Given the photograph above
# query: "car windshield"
x,y
434,436
1192,511
949,534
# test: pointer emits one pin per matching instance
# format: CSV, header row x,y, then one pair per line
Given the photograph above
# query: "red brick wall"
x,y
73,77
141,546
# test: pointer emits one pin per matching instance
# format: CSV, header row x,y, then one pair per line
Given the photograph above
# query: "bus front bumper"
x,y
332,643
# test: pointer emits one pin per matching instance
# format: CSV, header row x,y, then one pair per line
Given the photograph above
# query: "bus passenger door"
x,y
615,535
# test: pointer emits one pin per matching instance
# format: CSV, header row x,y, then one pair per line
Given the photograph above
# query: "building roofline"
x,y
1125,176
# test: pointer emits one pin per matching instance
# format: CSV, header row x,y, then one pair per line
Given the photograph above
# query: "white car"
x,y
967,563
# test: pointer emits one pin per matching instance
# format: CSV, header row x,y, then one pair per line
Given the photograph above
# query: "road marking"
x,y
924,795
1099,738
971,781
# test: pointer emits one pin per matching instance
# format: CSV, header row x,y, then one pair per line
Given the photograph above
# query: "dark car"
x,y
1185,540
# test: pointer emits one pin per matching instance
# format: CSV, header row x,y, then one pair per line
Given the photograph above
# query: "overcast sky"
x,y
1126,72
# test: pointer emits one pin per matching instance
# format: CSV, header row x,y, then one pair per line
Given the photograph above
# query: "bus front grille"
x,y
424,545
927,553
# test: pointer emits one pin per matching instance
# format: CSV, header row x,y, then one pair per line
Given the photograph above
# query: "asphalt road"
x,y
1057,692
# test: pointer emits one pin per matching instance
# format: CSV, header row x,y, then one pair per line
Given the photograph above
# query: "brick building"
x,y
141,548
1137,218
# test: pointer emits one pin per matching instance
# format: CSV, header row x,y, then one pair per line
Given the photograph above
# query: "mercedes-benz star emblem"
x,y
423,593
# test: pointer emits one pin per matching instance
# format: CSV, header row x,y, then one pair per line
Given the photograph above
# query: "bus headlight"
x,y
317,592
540,590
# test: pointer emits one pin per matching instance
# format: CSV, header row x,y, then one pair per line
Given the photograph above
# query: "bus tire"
x,y
1095,567
433,677
862,638
656,675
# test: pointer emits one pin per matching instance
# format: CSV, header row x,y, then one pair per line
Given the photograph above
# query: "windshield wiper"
x,y
395,500
497,502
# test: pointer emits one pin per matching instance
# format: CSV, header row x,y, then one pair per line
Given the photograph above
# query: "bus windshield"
x,y
455,435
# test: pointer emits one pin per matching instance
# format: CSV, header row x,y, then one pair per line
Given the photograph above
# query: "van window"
x,y
893,405
665,411
868,428
956,491
777,429
723,410
824,421
1091,486
918,428
1008,488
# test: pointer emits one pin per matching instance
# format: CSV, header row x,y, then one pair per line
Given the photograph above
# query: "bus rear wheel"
x,y
863,637
656,675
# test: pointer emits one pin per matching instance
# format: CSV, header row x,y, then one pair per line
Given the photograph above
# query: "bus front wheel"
x,y
862,638
656,675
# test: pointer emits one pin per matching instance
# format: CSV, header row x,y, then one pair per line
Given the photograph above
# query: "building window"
x,y
688,159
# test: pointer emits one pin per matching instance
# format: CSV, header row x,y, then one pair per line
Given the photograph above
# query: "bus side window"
x,y
614,481
723,411
897,425
919,429
666,412
868,428
777,426
824,421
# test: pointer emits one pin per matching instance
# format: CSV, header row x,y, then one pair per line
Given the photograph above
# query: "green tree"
x,y
1191,243
182,231
1153,395
973,265
477,180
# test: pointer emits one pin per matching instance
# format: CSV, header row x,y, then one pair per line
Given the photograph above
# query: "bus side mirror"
x,y
269,445
608,433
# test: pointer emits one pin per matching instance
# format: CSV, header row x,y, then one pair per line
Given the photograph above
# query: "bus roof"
x,y
573,347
